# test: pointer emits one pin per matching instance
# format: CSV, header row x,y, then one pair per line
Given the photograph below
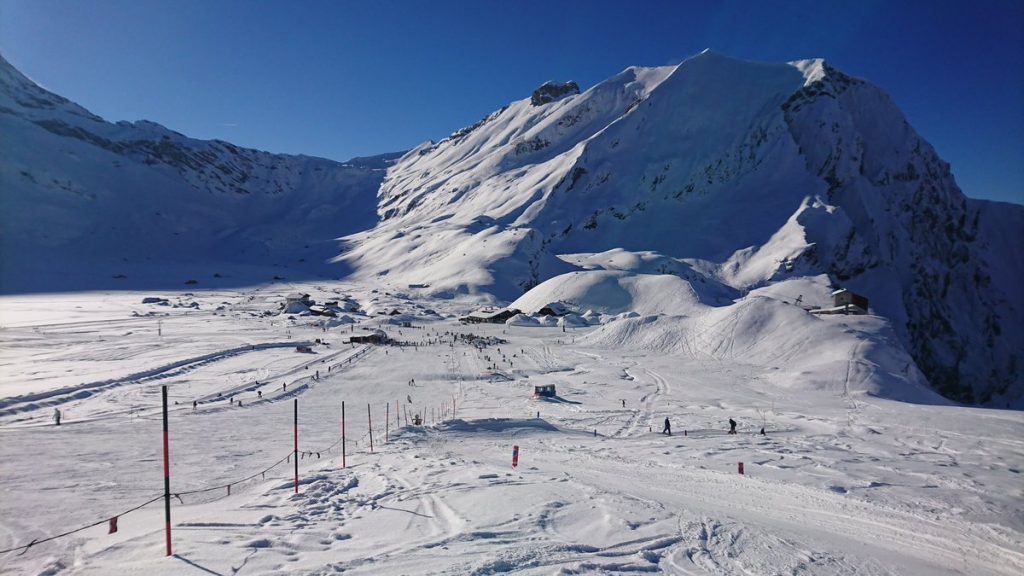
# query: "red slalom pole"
x,y
167,476
296,445
370,419
515,456
343,434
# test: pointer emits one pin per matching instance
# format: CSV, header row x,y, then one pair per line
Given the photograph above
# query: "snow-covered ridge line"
x,y
120,197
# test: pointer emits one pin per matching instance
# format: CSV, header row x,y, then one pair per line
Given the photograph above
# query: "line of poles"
x,y
443,412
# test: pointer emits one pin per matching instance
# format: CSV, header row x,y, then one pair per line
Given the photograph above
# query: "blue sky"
x,y
341,79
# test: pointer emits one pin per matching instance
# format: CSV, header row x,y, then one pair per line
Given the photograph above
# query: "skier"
x,y
668,427
623,403
56,416
732,426
194,405
259,393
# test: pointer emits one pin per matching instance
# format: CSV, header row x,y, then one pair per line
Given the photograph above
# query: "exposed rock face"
x,y
551,91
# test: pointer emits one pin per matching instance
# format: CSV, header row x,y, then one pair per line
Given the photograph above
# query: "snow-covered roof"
x,y
488,313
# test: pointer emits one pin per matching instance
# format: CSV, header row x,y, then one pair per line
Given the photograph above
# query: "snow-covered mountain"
x,y
747,173
85,203
730,175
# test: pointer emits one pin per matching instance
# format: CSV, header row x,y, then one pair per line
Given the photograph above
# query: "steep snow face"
x,y
111,199
753,173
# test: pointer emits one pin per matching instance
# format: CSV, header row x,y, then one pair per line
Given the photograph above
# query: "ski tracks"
x,y
646,413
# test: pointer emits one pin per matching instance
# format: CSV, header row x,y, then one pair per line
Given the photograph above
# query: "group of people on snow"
x,y
668,425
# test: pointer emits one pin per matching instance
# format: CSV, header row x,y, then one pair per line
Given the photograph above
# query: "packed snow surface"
x,y
845,480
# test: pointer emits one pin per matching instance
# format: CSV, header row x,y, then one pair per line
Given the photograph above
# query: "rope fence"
x,y
422,417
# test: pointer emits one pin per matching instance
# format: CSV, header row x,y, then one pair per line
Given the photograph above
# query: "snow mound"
x,y
522,320
572,321
339,321
615,292
842,355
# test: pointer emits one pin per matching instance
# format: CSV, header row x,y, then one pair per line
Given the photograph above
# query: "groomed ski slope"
x,y
846,480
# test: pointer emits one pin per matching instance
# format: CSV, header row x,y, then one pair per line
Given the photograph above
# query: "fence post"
x,y
167,476
343,434
369,418
296,445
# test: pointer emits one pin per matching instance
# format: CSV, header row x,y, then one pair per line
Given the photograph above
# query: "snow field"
x,y
843,483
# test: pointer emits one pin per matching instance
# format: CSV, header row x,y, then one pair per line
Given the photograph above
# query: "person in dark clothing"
x,y
732,426
668,427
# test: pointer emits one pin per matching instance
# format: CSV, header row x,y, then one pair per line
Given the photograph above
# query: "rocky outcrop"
x,y
551,91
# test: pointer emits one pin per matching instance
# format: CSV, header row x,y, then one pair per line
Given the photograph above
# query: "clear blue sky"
x,y
341,79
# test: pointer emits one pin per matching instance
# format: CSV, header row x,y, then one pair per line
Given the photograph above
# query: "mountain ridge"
x,y
204,204
762,171
741,174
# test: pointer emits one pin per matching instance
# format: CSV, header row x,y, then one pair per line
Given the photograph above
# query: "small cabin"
x,y
375,337
545,391
489,316
848,300
304,349
298,297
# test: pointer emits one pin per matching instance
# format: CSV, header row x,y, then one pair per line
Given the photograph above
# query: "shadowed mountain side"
x,y
86,204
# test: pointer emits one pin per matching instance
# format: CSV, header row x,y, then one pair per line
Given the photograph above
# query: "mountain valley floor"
x,y
839,483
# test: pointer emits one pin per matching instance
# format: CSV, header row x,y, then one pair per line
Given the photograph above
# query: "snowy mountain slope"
x,y
698,320
131,199
752,172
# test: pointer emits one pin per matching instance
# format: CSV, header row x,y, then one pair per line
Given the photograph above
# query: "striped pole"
x,y
296,445
167,477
